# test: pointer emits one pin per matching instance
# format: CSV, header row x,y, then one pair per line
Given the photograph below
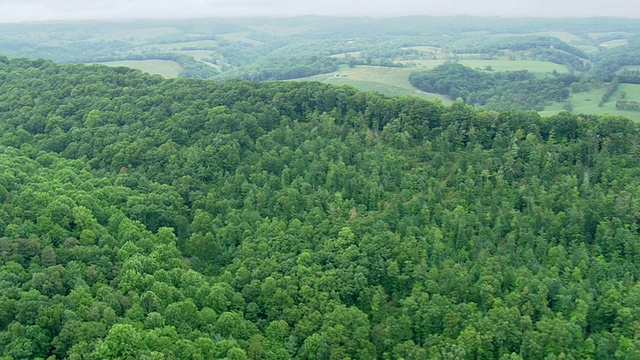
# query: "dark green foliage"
x,y
498,91
162,219
629,77
522,43
611,88
606,64
282,68
628,105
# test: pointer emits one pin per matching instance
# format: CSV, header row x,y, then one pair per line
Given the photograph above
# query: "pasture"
x,y
608,34
165,68
385,80
199,44
534,66
632,92
562,35
614,43
197,54
587,102
587,48
395,81
242,37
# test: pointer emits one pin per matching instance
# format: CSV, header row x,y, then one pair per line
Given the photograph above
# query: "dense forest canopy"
x,y
499,91
150,218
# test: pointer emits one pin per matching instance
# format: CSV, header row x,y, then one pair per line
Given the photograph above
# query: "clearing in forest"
x,y
165,68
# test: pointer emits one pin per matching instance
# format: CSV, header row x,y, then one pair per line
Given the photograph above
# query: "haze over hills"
x,y
34,10
378,54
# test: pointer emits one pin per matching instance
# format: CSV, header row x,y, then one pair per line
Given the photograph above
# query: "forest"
x,y
152,218
498,91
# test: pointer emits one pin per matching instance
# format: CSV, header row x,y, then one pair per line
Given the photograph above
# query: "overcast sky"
x,y
38,10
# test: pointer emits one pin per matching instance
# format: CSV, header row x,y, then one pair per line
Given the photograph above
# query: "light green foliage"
x,y
122,342
293,220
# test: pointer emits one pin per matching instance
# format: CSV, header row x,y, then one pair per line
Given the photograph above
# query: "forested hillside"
x,y
507,90
188,219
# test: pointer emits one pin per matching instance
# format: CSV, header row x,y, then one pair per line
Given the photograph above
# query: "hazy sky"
x,y
36,10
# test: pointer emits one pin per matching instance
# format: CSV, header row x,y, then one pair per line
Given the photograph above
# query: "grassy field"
x,y
209,44
600,35
513,65
587,48
587,103
562,35
197,54
632,90
497,65
239,37
385,80
395,81
615,43
166,68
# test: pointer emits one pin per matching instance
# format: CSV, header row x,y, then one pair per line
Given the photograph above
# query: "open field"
x,y
632,90
562,35
514,65
239,37
587,48
197,54
587,103
165,68
208,44
385,80
600,35
615,43
534,66
395,81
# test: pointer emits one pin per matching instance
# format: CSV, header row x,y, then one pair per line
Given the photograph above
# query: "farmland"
x,y
395,81
587,102
165,68
369,54
389,81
